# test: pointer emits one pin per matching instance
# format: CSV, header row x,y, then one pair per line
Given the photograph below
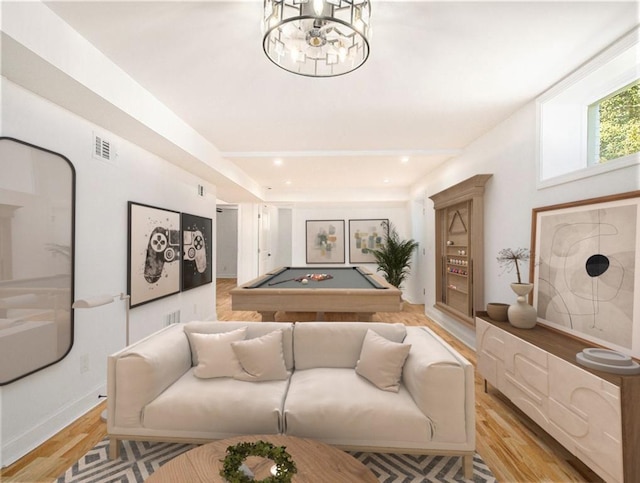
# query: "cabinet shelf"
x,y
456,289
464,275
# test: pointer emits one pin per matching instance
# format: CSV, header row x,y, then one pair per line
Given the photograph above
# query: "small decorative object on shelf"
x,y
608,361
232,464
497,311
508,259
521,314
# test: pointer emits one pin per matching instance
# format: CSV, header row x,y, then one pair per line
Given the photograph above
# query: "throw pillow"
x,y
261,358
381,361
215,356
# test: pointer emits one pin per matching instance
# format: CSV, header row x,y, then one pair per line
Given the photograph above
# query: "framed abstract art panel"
x,y
585,269
325,241
155,252
364,236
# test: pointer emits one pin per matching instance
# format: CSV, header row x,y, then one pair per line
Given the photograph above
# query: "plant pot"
x,y
521,314
498,311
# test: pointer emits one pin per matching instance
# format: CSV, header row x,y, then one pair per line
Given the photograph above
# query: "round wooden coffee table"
x,y
316,462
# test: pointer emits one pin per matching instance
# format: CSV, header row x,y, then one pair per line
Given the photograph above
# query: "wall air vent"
x,y
102,148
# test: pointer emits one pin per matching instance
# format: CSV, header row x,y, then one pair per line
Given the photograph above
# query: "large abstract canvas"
x,y
155,251
585,269
364,236
325,241
197,250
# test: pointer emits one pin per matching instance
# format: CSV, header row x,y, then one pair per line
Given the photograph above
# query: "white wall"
x,y
283,250
508,152
36,407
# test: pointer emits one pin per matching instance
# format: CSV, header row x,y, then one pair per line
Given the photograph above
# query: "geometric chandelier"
x,y
317,38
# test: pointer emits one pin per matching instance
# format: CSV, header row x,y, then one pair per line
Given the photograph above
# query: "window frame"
x,y
566,154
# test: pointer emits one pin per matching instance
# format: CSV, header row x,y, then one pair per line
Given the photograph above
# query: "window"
x,y
614,125
589,123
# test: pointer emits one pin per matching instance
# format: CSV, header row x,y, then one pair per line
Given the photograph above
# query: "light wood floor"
x,y
515,449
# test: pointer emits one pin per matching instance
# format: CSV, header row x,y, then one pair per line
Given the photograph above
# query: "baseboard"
x,y
460,331
12,451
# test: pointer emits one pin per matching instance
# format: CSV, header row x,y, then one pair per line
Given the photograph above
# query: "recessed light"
x,y
288,182
404,159
277,162
386,180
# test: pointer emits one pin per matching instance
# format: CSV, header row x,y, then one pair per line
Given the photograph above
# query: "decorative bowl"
x,y
498,311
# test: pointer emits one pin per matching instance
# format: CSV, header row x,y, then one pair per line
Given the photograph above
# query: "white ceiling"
x,y
440,75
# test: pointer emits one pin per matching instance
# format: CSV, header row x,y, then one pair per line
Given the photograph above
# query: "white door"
x,y
265,259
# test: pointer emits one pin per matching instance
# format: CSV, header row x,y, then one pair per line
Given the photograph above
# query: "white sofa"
x,y
155,394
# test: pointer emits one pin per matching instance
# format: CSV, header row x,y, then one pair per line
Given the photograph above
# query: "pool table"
x,y
349,289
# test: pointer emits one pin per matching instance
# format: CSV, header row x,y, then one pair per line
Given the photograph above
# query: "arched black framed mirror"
x,y
37,215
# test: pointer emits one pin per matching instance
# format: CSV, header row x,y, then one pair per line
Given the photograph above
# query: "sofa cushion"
x,y
337,406
215,356
220,407
337,344
254,329
381,361
261,358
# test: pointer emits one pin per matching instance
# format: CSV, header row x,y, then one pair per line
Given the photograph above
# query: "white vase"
x,y
521,314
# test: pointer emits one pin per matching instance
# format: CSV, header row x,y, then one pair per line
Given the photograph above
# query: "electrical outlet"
x,y
172,318
84,363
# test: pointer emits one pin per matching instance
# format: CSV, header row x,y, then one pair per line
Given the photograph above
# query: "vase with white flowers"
x,y
520,314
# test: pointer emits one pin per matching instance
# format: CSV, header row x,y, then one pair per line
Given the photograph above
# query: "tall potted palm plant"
x,y
394,256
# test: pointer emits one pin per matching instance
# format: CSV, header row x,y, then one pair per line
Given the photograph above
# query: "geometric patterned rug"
x,y
139,459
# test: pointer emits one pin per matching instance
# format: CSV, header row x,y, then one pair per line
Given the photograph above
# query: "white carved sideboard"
x,y
595,415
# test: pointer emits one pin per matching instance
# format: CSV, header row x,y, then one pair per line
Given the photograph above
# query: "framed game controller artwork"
x,y
197,251
155,253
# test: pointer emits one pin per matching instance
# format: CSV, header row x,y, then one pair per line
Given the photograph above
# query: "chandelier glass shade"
x,y
317,38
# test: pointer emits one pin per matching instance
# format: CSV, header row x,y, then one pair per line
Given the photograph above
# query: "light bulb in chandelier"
x,y
316,38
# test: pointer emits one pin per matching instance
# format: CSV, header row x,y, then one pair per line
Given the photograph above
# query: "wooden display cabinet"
x,y
457,277
459,248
